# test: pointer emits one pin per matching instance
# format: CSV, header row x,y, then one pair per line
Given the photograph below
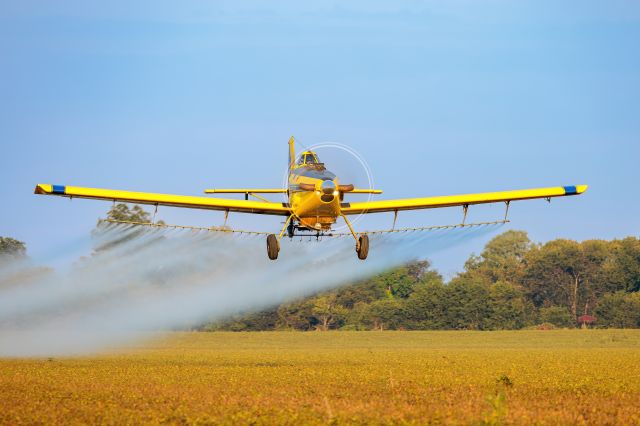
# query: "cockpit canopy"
x,y
308,157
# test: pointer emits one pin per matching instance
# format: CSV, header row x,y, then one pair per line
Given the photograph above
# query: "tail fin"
x,y
292,152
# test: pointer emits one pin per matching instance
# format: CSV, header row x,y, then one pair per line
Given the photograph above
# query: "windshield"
x,y
308,159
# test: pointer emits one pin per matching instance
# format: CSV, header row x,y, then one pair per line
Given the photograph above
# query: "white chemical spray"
x,y
150,280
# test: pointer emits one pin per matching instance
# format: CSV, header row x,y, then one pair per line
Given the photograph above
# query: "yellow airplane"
x,y
315,200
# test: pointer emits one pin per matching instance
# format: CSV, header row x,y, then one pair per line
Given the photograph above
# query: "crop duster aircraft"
x,y
315,201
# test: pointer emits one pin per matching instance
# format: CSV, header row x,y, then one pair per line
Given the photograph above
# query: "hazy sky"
x,y
439,97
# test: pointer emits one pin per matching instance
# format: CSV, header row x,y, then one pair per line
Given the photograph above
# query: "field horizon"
x,y
337,377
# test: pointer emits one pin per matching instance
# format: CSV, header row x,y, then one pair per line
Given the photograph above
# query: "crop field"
x,y
510,377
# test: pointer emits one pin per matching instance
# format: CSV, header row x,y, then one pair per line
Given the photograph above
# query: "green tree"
x,y
596,254
364,291
622,272
502,258
507,307
252,321
559,273
296,315
11,249
356,317
426,308
122,212
384,314
618,310
467,303
402,281
558,316
327,311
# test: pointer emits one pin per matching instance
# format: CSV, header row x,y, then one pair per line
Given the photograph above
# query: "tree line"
x,y
513,283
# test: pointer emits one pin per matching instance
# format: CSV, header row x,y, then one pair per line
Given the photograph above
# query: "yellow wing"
x,y
243,206
460,200
245,191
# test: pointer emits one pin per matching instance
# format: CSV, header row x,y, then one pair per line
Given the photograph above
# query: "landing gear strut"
x,y
291,228
273,242
362,241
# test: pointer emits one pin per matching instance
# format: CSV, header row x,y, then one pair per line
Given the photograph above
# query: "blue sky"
x,y
439,97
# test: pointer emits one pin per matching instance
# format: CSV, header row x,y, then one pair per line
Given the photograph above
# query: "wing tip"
x,y
575,189
49,189
581,188
43,188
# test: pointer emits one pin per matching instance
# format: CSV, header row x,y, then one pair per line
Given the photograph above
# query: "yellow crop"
x,y
452,377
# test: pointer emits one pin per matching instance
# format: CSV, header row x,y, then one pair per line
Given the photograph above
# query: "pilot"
x,y
307,158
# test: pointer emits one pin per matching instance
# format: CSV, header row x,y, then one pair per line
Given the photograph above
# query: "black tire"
x,y
363,247
272,247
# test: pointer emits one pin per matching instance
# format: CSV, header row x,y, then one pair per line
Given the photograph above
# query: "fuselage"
x,y
313,195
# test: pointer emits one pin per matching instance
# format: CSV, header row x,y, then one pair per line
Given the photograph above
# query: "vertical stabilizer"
x,y
292,152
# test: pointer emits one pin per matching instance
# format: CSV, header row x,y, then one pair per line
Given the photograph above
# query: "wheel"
x,y
272,247
363,247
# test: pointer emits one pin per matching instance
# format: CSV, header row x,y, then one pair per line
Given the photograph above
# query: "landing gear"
x,y
291,228
272,247
273,242
362,247
362,241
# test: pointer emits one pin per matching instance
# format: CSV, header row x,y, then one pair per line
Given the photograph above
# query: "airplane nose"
x,y
328,187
